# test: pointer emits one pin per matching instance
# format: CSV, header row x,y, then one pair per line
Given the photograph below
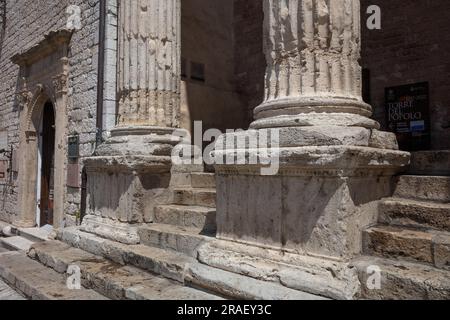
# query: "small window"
x,y
198,71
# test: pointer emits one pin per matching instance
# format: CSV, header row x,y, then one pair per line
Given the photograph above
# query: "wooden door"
x,y
47,166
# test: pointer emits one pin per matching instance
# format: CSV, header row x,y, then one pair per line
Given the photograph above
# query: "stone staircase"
x,y
28,279
411,243
21,239
153,270
189,221
35,281
164,265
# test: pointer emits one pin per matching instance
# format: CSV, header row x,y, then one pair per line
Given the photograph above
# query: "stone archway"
x,y
43,74
29,149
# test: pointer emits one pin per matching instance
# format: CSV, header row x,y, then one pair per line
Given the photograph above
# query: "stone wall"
x,y
412,46
27,21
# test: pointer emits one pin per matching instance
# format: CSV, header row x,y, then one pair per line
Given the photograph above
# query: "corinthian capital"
x,y
60,83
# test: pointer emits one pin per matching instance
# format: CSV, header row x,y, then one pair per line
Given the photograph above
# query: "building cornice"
x,y
52,42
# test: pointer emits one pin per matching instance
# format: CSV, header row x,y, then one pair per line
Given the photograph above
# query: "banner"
x,y
408,116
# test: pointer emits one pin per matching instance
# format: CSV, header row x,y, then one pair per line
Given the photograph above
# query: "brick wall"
x,y
412,46
27,21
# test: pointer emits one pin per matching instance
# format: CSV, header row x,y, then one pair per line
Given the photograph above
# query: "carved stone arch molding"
x,y
43,77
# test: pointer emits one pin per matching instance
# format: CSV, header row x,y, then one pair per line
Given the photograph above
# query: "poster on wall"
x,y
408,115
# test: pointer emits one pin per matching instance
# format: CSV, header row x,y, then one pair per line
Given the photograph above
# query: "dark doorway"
x,y
83,196
47,165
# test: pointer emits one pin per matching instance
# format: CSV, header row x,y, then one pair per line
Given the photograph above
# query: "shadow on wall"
x,y
208,67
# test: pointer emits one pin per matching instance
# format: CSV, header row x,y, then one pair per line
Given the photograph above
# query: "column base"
x,y
110,229
314,135
23,224
318,202
139,141
123,192
128,176
323,276
315,119
301,226
311,104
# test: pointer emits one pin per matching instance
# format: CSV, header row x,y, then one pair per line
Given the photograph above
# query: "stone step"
x,y
35,234
8,294
200,218
430,163
181,268
416,214
402,280
317,276
180,239
113,280
431,247
241,287
38,282
6,230
16,243
169,264
195,197
427,188
203,180
3,225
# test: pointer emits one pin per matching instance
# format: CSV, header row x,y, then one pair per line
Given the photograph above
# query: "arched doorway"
x,y
46,167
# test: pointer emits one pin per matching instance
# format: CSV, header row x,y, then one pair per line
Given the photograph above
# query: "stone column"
x,y
312,50
149,63
334,163
130,172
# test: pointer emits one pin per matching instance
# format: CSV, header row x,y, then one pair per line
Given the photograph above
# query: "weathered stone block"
x,y
317,203
427,188
411,213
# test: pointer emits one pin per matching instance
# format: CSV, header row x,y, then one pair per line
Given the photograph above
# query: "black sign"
x,y
74,149
408,115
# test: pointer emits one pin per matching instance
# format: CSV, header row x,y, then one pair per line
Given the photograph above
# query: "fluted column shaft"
x,y
312,50
149,63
